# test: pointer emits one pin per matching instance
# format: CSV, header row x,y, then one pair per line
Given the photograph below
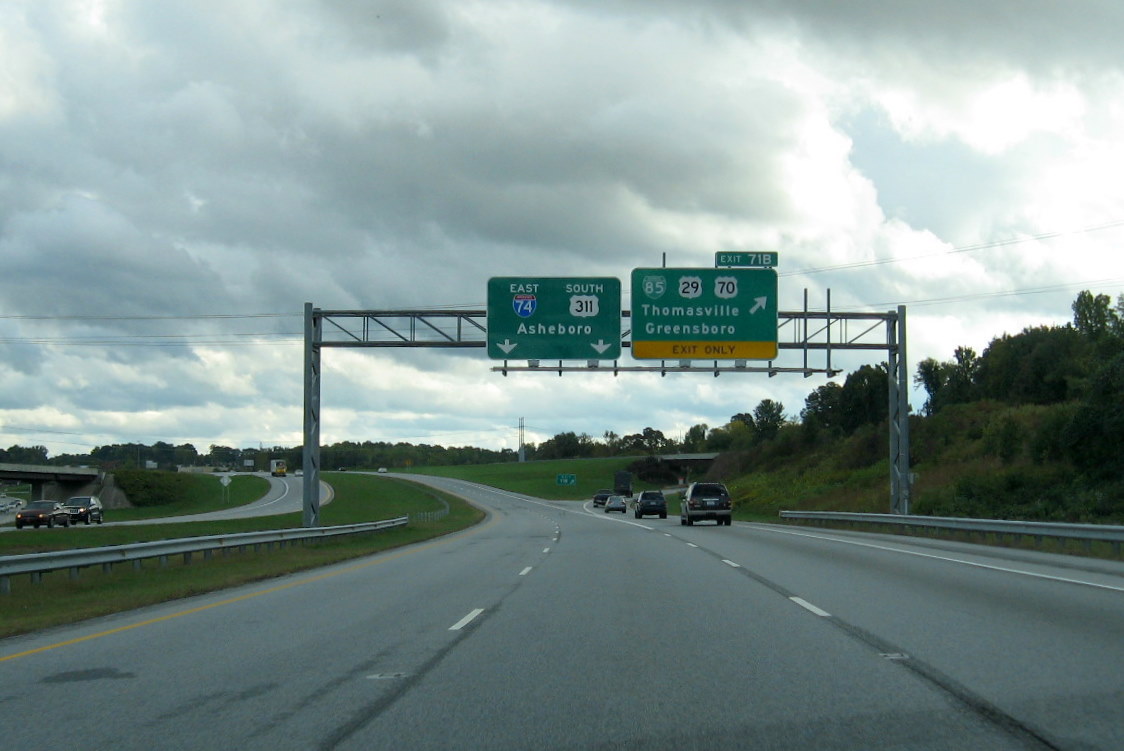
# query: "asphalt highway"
x,y
285,496
556,626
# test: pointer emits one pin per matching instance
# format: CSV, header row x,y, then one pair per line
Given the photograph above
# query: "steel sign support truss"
x,y
313,336
810,332
402,328
898,378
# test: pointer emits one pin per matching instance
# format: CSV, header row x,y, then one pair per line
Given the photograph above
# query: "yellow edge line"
x,y
382,558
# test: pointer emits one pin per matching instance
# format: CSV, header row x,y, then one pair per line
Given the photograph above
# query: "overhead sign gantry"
x,y
684,315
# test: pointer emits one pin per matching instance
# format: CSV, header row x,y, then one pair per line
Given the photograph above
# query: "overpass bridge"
x,y
53,483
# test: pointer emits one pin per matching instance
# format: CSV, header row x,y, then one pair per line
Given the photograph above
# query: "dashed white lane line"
x,y
546,550
692,545
525,571
466,620
810,607
731,563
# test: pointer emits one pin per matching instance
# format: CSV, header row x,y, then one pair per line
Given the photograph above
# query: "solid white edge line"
x,y
810,607
466,620
525,571
949,559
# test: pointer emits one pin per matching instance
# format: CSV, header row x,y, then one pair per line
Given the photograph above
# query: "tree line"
x,y
345,454
1076,371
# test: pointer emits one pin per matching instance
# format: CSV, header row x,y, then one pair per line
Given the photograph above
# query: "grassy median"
x,y
59,598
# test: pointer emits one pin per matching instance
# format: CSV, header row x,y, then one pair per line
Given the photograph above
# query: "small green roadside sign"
x,y
554,318
567,480
704,314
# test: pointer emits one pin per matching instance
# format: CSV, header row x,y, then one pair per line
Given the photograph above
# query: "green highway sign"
x,y
554,318
763,260
567,479
704,314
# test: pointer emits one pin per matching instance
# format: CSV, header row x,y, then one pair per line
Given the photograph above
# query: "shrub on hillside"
x,y
1030,493
146,487
1096,432
652,470
729,464
1049,441
788,445
866,446
1003,437
954,434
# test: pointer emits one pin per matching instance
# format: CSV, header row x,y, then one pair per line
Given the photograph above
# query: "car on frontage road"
x,y
84,508
42,514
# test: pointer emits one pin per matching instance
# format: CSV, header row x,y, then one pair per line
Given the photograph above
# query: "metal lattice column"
x,y
313,335
898,377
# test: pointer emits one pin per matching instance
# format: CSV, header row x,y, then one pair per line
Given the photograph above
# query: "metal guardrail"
x,y
37,564
1086,533
432,516
428,516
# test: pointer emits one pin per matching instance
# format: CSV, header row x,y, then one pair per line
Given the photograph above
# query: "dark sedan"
x,y
42,513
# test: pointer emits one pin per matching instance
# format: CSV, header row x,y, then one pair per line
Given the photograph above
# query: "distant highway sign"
x,y
554,318
760,260
704,314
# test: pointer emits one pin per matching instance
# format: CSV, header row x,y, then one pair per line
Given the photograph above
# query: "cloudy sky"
x,y
178,178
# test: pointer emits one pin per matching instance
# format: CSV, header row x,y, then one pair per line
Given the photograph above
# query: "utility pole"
x,y
522,450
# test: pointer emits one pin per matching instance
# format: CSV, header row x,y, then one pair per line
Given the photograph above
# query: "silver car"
x,y
706,500
616,503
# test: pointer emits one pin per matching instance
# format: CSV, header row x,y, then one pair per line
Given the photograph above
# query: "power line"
x,y
200,317
205,317
1005,293
153,341
959,249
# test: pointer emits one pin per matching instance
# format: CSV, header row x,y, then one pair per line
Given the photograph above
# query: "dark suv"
x,y
84,508
705,500
650,502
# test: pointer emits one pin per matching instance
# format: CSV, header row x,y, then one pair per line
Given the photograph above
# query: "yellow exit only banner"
x,y
704,350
